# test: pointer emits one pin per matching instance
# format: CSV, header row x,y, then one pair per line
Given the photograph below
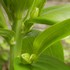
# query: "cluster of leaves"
x,y
33,49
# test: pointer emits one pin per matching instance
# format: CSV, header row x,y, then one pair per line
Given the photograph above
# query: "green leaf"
x,y
51,35
56,51
27,46
34,12
6,33
6,9
43,63
28,39
49,63
60,12
19,66
17,9
53,15
2,19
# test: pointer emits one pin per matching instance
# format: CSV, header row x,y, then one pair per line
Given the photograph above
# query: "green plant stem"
x,y
11,67
18,37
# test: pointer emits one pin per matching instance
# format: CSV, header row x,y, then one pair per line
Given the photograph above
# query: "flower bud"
x,y
35,12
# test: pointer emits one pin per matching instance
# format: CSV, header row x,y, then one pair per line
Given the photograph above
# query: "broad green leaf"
x,y
56,51
27,46
39,4
53,15
60,12
44,63
51,35
49,63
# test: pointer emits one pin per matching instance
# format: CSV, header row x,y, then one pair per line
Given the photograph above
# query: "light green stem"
x,y
11,67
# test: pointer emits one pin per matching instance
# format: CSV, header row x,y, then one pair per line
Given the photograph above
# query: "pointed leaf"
x,y
51,35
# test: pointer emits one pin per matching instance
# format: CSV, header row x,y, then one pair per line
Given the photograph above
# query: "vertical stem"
x,y
11,58
18,37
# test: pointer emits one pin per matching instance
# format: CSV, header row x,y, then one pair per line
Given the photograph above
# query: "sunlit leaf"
x,y
53,15
51,35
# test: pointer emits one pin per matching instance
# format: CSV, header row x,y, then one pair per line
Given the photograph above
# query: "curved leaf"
x,y
51,35
53,15
61,13
55,50
49,63
17,10
6,33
